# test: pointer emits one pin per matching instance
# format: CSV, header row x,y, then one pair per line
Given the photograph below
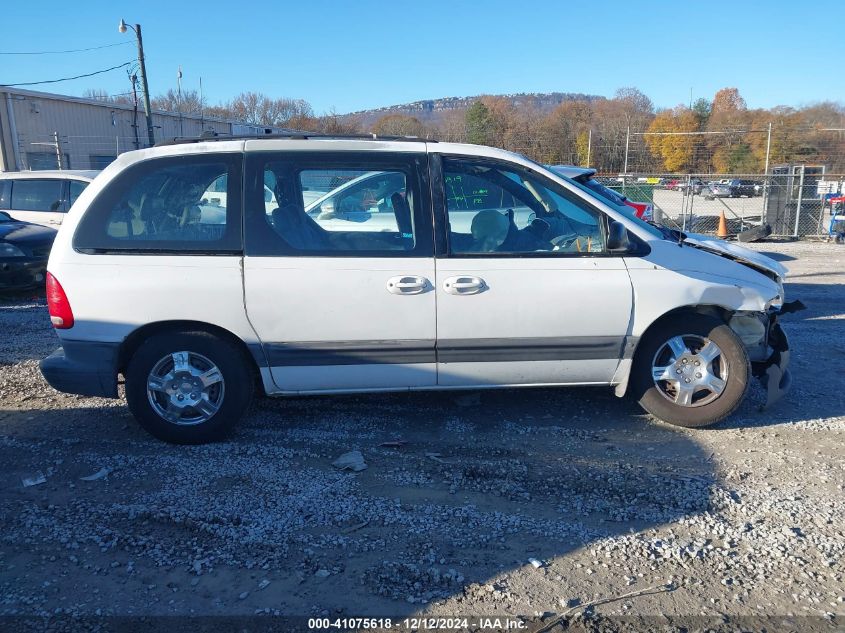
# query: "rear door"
x,y
38,200
339,269
525,297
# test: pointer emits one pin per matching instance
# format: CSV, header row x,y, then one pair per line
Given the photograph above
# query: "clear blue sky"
x,y
360,54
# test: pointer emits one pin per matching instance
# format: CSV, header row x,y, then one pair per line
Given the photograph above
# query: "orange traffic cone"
x,y
722,231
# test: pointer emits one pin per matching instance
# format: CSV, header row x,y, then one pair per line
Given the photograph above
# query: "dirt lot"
x,y
744,519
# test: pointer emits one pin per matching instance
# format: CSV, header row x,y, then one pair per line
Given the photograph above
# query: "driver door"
x,y
526,292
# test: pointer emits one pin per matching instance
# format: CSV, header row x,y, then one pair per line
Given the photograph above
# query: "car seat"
x,y
297,228
402,211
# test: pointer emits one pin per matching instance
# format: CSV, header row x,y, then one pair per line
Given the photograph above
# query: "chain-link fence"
x,y
797,200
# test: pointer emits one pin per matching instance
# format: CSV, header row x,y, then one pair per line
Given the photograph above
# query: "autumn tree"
x,y
559,132
334,123
671,138
399,125
630,110
728,124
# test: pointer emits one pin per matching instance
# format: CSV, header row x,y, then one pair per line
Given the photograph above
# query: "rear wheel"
x,y
188,387
691,371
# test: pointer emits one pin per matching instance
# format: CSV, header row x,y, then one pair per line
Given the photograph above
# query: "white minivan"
x,y
179,271
42,197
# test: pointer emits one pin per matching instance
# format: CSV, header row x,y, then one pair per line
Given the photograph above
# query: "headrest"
x,y
489,230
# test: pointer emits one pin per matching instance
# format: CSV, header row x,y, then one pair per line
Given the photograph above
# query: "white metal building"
x,y
39,130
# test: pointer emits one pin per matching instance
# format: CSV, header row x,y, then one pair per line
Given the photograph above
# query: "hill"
x,y
431,110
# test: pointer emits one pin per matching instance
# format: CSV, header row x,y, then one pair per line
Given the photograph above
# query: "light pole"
x,y
137,28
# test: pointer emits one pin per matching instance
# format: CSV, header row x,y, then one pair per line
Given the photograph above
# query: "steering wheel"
x,y
565,242
562,242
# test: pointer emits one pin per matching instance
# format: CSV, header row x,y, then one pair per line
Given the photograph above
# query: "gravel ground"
x,y
744,519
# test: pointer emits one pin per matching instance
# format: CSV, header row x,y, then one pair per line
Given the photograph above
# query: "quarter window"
x,y
76,188
5,193
178,204
507,210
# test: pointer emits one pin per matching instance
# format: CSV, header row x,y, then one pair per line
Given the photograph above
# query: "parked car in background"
x,y
585,176
42,197
24,249
742,187
717,190
694,186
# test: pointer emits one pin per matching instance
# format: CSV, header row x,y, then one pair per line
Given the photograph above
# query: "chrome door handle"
x,y
464,285
408,285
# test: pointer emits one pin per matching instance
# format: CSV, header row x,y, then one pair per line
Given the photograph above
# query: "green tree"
x,y
701,108
479,124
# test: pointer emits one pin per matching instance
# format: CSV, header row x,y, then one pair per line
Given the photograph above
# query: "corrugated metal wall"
x,y
90,134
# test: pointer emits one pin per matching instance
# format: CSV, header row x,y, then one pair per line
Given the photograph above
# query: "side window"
x,y
37,195
175,204
342,210
469,192
76,188
497,209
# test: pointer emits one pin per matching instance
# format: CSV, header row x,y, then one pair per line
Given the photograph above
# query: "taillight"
x,y
61,316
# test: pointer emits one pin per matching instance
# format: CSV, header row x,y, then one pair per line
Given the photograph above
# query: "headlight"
x,y
10,250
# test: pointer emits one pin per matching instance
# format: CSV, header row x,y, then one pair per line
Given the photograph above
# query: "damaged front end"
x,y
767,347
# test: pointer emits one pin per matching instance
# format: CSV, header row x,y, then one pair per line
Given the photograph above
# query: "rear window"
x,y
189,203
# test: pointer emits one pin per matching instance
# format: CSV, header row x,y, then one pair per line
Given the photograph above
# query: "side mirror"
x,y
617,238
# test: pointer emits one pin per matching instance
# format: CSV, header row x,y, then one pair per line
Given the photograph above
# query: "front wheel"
x,y
188,387
691,371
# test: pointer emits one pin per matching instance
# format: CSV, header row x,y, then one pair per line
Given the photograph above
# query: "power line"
x,y
74,50
53,81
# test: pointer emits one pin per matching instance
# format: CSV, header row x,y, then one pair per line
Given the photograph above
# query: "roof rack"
x,y
291,135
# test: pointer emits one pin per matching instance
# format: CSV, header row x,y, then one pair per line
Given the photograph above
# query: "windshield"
x,y
612,199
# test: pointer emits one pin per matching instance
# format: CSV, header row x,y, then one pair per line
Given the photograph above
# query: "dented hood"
x,y
738,253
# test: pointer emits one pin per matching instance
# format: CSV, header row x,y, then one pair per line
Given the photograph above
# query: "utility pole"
x,y
179,99
766,178
143,69
625,170
134,79
202,109
589,146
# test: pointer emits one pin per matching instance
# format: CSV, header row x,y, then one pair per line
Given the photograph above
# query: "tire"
x,y
153,385
665,399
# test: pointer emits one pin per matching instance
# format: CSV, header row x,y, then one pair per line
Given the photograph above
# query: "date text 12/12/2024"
x,y
419,624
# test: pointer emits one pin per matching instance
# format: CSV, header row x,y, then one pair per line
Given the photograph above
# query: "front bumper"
x,y
86,368
22,274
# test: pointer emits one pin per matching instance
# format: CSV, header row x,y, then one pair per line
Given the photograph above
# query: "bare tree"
x,y
170,101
